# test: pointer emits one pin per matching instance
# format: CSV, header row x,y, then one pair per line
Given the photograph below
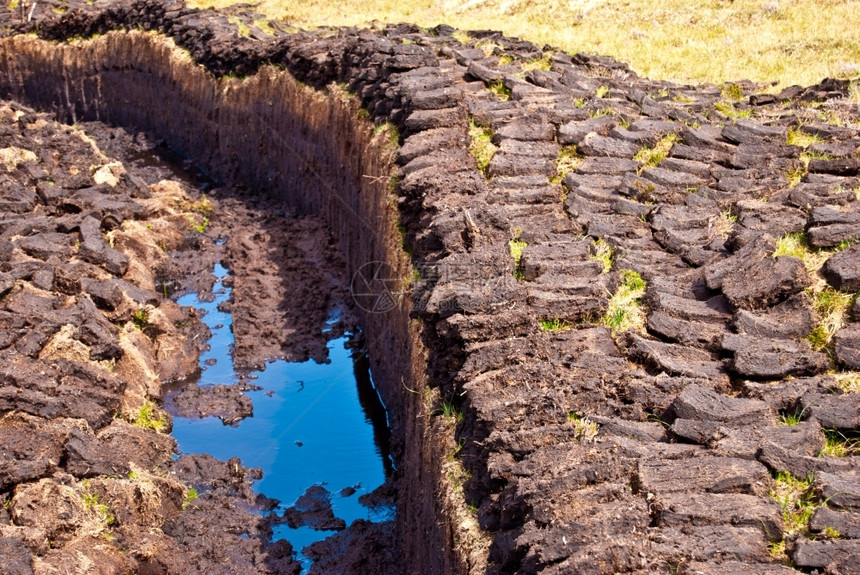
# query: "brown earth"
x,y
581,449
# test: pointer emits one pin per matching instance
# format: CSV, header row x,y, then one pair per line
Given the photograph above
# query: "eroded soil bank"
x,y
638,302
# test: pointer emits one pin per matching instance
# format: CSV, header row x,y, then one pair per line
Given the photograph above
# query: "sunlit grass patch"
x,y
625,311
849,381
501,91
554,325
831,307
603,252
567,161
727,108
796,500
481,145
584,429
839,444
517,246
797,137
800,42
650,157
544,63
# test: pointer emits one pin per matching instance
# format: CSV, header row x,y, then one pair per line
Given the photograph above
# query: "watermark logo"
x,y
374,287
377,288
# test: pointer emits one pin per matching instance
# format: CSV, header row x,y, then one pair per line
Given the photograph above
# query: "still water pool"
x,y
313,424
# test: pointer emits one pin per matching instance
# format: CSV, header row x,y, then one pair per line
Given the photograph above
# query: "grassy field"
x,y
782,41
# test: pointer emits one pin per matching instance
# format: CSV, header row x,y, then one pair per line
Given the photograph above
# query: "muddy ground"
x,y
717,434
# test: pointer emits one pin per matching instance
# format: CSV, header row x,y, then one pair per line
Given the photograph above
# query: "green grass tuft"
x,y
796,500
728,109
603,252
797,137
732,92
544,63
517,246
501,91
839,444
831,307
651,157
146,418
554,325
481,145
624,311
567,161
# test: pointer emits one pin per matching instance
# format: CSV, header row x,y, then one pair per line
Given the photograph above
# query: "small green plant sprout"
x,y
501,91
448,410
146,418
567,161
505,59
796,500
102,511
830,533
7,503
790,419
188,499
585,430
517,246
602,91
579,102
554,325
197,224
600,112
728,109
603,252
839,444
140,319
831,307
732,92
625,311
651,157
481,145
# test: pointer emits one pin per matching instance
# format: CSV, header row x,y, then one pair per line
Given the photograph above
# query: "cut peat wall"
x,y
272,135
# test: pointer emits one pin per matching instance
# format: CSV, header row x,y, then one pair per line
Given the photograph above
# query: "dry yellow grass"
x,y
784,41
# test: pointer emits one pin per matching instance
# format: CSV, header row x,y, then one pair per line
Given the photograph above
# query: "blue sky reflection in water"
x,y
312,425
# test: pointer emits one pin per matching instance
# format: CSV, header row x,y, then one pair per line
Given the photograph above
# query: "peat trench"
x,y
614,320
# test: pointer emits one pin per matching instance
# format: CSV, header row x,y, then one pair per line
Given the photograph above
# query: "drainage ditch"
x,y
314,151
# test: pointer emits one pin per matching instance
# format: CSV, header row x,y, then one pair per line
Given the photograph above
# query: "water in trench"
x,y
313,424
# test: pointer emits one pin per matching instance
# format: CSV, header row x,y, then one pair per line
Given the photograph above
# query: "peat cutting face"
x,y
614,320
